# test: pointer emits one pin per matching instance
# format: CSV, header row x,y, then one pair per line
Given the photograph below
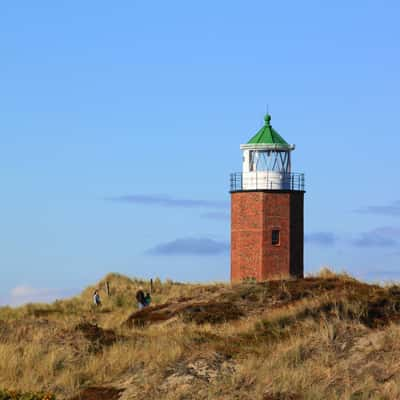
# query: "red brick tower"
x,y
267,234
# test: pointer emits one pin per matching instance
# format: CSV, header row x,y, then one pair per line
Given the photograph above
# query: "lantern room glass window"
x,y
269,160
275,237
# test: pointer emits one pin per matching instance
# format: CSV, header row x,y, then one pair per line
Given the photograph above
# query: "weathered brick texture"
x,y
254,214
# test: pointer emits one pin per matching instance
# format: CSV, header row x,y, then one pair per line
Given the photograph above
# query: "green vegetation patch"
x,y
13,395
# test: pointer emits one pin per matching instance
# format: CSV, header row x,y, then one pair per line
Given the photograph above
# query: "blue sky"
x,y
120,124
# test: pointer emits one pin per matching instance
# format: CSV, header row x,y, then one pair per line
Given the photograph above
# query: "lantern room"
x,y
266,163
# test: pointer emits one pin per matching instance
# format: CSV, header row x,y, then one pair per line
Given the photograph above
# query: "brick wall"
x,y
253,217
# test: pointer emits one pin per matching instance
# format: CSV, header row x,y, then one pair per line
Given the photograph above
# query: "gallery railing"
x,y
266,180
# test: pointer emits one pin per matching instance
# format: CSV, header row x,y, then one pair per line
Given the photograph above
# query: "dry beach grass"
x,y
324,337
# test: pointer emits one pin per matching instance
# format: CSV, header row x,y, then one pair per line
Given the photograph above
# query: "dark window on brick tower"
x,y
275,237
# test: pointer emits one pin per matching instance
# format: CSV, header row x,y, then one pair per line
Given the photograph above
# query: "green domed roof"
x,y
267,135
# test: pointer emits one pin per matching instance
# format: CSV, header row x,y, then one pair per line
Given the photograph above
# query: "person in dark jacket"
x,y
96,298
140,298
147,299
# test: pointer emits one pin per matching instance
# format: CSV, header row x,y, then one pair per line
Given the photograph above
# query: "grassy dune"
x,y
324,337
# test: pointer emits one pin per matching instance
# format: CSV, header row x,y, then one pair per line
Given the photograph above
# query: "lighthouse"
x,y
267,211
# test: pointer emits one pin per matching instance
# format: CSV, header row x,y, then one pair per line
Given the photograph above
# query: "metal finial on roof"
x,y
267,119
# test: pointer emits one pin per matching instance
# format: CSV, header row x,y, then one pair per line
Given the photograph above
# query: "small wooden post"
x,y
151,286
107,287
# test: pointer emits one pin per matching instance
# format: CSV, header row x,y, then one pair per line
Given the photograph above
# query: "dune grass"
x,y
338,340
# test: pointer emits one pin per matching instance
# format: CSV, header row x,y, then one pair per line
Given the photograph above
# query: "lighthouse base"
x,y
267,234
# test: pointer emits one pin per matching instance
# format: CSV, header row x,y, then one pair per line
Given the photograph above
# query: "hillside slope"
x,y
325,337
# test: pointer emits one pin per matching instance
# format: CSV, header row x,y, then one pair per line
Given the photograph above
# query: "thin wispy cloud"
x,y
23,294
320,238
382,274
391,210
380,237
217,215
167,201
190,246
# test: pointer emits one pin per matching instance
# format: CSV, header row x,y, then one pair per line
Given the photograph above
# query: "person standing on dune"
x,y
140,298
96,298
